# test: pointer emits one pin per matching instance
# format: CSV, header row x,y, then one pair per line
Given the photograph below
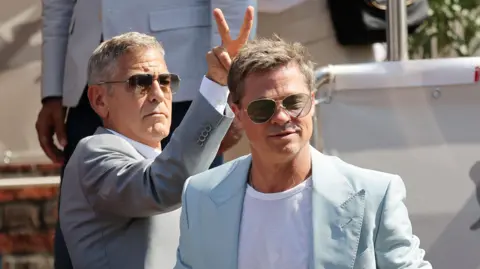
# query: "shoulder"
x,y
102,146
364,177
375,183
104,143
206,181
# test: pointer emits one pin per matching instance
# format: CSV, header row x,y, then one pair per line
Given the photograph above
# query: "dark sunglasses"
x,y
296,105
141,83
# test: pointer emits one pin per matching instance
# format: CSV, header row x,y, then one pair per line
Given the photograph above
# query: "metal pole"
x,y
322,77
397,33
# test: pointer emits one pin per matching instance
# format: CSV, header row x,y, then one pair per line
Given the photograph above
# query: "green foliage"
x,y
453,29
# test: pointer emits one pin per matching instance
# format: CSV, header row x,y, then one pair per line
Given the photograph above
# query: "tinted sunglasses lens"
x,y
298,105
260,111
140,80
169,80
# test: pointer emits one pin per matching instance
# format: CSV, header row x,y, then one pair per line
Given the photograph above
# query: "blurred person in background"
x,y
73,29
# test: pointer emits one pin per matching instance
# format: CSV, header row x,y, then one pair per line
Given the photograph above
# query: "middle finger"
x,y
246,26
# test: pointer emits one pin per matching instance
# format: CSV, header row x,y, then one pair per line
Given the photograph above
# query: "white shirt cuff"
x,y
216,94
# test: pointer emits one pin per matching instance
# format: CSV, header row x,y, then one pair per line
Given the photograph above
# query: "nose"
x,y
156,94
281,116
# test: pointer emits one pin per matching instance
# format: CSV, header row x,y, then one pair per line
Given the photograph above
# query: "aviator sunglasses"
x,y
142,83
296,105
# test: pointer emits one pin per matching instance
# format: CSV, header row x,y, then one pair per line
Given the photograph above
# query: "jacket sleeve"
x,y
116,183
396,246
57,22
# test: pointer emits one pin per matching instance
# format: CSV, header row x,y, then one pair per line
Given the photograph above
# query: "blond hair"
x,y
264,55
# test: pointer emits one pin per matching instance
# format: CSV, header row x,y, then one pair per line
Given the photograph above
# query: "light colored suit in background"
x,y
72,29
112,196
359,218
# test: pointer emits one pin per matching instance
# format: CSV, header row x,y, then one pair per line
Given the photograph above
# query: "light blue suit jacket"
x,y
360,220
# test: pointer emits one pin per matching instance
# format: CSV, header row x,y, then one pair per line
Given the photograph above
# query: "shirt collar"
x,y
147,151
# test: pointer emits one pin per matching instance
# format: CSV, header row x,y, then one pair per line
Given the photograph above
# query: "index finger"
x,y
246,26
222,26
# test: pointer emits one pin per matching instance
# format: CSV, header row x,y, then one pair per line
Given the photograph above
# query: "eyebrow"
x,y
274,98
132,72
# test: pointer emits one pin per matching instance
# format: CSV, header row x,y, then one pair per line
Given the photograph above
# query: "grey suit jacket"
x,y
111,196
72,29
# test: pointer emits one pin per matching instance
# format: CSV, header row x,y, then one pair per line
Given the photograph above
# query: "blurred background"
x,y
28,188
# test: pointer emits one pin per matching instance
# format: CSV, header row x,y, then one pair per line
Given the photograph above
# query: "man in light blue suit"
x,y
288,206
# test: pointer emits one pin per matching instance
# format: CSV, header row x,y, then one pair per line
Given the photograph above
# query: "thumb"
x,y
60,130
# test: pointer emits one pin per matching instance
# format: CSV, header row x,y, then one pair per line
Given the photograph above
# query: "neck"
x,y
268,177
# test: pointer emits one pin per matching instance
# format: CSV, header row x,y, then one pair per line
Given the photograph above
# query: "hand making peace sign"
x,y
233,46
219,58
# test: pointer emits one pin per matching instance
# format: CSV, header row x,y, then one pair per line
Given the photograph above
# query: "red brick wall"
x,y
27,223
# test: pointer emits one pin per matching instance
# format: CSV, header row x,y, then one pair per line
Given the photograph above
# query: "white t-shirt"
x,y
276,229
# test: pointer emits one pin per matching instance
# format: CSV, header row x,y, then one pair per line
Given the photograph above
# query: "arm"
x,y
183,251
57,17
395,245
234,11
116,184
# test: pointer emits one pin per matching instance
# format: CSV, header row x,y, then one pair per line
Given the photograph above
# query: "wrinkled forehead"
x,y
275,84
149,61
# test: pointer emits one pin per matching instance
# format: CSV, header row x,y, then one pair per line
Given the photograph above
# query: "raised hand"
x,y
219,58
233,45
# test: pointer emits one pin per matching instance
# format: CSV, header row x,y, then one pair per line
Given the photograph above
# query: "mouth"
x,y
284,134
155,114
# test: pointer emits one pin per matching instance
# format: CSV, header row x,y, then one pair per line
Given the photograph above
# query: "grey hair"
x,y
264,55
103,62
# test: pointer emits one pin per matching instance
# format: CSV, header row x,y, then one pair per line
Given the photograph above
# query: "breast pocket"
x,y
185,34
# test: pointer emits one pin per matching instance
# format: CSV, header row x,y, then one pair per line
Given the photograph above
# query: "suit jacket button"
x,y
208,128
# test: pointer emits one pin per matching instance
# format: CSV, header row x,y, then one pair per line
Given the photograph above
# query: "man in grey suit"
x,y
119,181
72,29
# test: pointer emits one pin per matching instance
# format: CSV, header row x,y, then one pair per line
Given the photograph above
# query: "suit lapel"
x,y
225,220
337,213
